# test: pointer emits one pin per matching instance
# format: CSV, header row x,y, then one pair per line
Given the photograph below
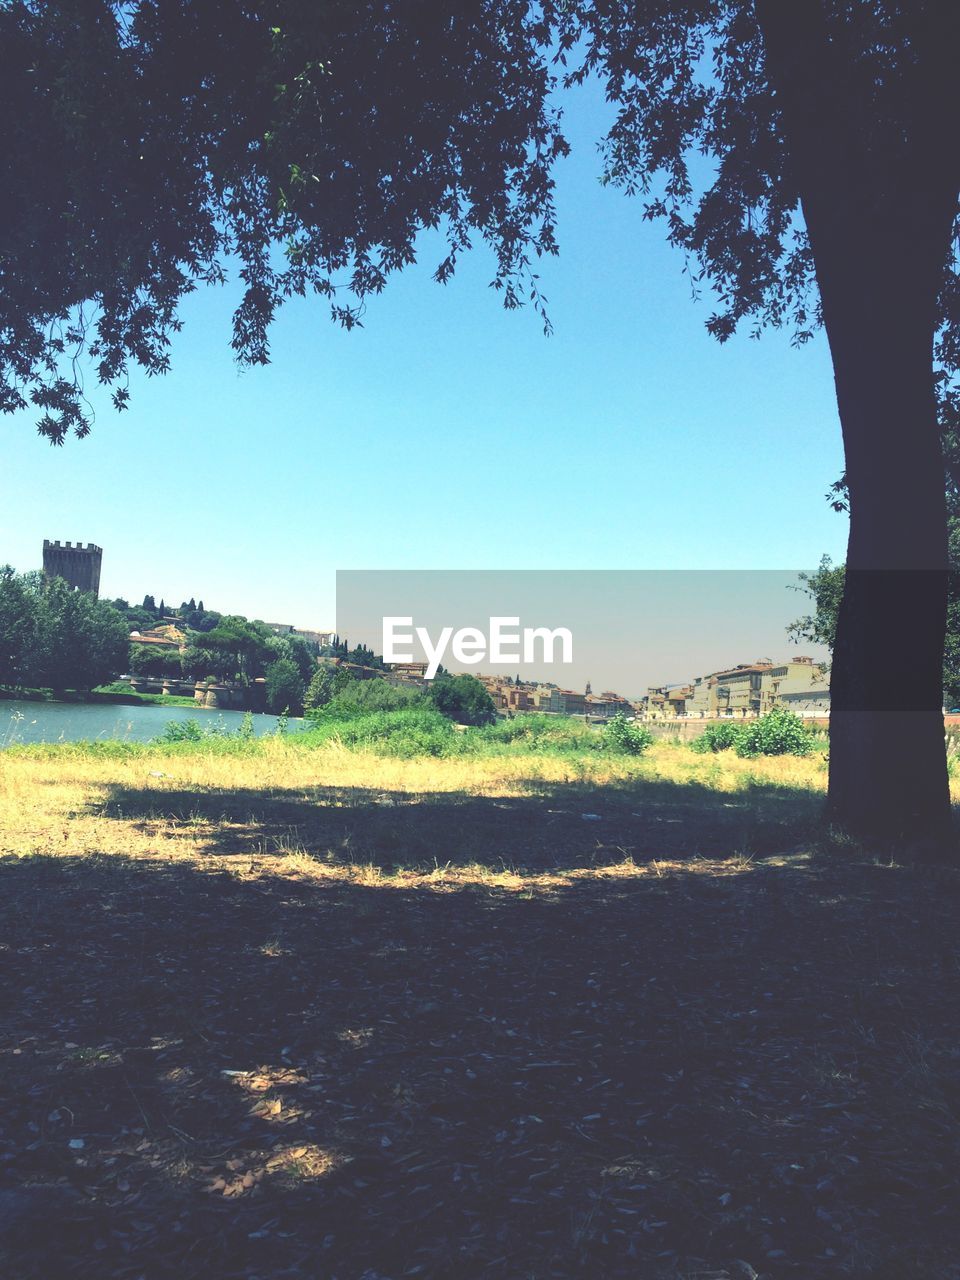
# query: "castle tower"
x,y
78,565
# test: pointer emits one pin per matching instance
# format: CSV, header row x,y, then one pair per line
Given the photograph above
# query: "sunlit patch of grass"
x,y
274,948
293,1166
169,805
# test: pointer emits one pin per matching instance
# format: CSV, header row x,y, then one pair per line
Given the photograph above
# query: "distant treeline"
x,y
52,637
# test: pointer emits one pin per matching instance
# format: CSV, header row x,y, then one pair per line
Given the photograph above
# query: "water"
x,y
25,722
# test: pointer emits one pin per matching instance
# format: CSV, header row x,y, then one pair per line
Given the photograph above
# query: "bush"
x,y
778,733
626,738
192,731
361,697
462,698
537,734
719,737
417,730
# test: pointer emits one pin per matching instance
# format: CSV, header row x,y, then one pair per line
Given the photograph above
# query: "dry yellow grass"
x,y
72,803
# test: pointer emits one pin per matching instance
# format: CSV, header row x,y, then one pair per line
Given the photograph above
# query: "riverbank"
x,y
535,1014
107,696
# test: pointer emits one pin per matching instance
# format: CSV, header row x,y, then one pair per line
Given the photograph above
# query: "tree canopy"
x,y
182,138
53,637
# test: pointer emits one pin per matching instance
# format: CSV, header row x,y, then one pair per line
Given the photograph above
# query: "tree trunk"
x,y
888,775
874,163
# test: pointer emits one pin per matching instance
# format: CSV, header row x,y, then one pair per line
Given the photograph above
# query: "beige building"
x,y
162,637
701,702
750,689
566,702
801,685
604,706
739,691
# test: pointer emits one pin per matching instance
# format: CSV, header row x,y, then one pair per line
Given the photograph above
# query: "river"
x,y
26,722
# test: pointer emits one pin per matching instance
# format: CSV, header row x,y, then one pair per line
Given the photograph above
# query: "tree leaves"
x,y
178,138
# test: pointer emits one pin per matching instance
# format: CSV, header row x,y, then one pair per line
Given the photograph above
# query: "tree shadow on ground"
x,y
717,1069
563,825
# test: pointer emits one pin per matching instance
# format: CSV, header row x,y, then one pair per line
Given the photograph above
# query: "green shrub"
x,y
626,738
361,697
193,731
327,681
462,698
537,733
417,730
719,737
778,733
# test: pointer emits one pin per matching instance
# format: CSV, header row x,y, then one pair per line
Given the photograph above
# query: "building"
x,y
540,697
354,669
76,564
320,638
740,690
517,697
668,702
800,685
653,704
604,706
701,702
406,673
163,637
676,700
565,702
750,689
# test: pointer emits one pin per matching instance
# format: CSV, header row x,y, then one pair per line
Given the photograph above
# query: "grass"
x,y
81,789
278,1009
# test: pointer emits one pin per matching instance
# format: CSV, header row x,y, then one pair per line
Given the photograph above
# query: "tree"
x,y
304,654
53,637
23,629
89,639
846,113
285,688
205,619
178,134
365,697
236,649
327,681
825,588
173,138
462,698
145,660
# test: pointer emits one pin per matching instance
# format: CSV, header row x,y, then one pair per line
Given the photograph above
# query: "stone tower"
x,y
78,565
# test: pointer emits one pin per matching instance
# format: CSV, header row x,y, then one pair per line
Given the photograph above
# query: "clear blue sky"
x,y
448,433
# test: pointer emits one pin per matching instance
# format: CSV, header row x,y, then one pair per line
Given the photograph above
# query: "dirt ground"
x,y
455,1036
